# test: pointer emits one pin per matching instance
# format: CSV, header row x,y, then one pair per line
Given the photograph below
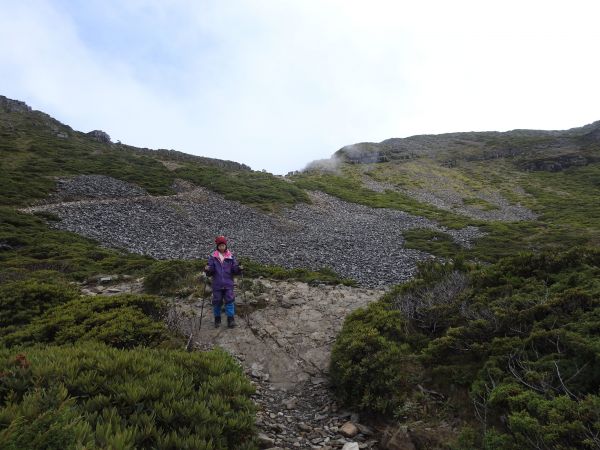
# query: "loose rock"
x,y
349,430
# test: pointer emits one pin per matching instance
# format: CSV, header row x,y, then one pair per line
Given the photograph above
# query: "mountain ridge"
x,y
503,264
494,143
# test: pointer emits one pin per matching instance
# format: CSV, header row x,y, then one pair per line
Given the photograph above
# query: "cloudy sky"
x,y
277,83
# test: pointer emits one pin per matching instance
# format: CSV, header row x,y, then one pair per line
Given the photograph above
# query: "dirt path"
x,y
284,344
283,338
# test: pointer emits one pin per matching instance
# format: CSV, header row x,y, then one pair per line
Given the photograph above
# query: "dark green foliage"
x,y
259,189
22,301
29,246
169,276
371,367
121,321
93,396
325,275
521,336
44,419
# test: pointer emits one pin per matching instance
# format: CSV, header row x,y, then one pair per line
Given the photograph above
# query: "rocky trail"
x,y
283,338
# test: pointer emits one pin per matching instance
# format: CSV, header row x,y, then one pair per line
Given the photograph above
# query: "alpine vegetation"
x,y
482,248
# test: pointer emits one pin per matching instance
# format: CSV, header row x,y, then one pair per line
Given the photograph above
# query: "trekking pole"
x,y
246,306
203,298
189,344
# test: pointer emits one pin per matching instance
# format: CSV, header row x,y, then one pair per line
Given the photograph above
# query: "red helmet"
x,y
220,240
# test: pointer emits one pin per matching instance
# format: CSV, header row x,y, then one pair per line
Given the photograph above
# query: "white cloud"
x,y
277,83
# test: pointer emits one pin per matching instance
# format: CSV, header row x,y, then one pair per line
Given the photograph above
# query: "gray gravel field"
x,y
356,241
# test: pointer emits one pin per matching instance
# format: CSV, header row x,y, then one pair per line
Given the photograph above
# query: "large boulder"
x,y
100,136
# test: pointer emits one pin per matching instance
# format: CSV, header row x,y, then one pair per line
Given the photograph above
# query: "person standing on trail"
x,y
222,266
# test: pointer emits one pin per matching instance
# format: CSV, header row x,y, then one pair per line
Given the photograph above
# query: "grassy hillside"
x,y
555,175
507,353
37,149
106,372
507,350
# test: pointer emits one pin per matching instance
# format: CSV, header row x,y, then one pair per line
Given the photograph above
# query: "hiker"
x,y
222,266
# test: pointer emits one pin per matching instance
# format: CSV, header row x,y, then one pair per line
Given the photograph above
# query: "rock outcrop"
x,y
100,136
10,105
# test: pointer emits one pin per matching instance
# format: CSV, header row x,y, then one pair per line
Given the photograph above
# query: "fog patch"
x,y
324,165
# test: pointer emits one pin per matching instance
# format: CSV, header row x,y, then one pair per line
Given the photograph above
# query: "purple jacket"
x,y
222,273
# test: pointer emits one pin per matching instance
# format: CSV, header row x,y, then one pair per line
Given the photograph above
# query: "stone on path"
x,y
349,430
351,446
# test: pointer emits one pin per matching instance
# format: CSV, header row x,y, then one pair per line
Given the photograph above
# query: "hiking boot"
x,y
217,321
230,322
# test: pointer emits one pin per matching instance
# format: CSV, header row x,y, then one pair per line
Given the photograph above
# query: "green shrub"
x,y
45,418
371,368
252,269
169,276
520,336
24,300
93,396
122,321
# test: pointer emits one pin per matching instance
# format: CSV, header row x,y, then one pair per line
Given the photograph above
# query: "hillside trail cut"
x,y
283,339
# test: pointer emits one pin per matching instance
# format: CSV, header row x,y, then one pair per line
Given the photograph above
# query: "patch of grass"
x,y
350,189
259,189
434,242
252,269
479,203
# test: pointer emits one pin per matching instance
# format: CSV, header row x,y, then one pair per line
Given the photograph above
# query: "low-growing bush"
x,y
22,301
122,321
167,277
252,269
520,338
96,397
371,368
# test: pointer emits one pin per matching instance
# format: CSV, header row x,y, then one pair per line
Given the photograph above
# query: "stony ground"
x,y
283,338
438,194
356,241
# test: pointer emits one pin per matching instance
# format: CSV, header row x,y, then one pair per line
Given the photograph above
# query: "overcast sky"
x,y
276,84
